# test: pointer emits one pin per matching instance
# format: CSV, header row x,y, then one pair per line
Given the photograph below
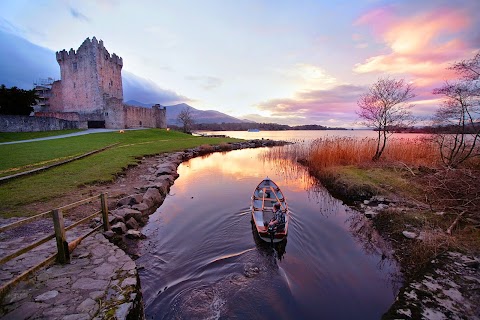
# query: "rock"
x,y
117,218
46,296
90,284
152,195
382,206
366,201
127,213
130,200
135,214
165,168
123,310
144,208
440,213
134,234
109,234
409,234
132,224
119,228
370,213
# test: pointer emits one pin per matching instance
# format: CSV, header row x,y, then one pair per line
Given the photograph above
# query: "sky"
x,y
289,62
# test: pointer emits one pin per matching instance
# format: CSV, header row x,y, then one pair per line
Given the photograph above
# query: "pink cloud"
x,y
318,106
422,46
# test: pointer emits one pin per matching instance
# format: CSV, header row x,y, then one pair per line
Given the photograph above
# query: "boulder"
x,y
130,200
409,234
370,213
165,168
134,234
126,213
135,214
132,224
152,196
109,234
144,208
119,228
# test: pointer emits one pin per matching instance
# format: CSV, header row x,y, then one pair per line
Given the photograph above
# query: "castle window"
x,y
74,65
74,85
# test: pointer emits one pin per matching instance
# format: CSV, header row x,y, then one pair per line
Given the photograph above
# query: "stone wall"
x,y
55,100
114,114
34,124
136,117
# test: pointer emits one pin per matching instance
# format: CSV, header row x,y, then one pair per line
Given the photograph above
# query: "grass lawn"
x,y
101,167
17,136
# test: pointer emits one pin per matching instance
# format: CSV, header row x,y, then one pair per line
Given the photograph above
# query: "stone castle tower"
x,y
90,91
89,76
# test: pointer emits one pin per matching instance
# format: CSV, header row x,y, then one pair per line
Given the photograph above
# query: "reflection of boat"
x,y
266,194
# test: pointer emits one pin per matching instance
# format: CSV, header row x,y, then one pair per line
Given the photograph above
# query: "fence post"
x,y
63,255
106,223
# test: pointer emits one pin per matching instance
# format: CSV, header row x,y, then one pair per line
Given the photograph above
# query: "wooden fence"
x,y
63,247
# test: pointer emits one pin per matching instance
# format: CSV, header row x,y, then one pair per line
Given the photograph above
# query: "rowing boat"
x,y
266,194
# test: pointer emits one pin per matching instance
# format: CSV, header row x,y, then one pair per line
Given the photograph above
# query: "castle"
x,y
90,92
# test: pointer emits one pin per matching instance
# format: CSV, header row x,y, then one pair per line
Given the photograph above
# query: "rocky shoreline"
x,y
130,213
101,281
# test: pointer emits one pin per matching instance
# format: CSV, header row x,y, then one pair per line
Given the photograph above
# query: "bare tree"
x,y
185,117
384,108
459,115
469,69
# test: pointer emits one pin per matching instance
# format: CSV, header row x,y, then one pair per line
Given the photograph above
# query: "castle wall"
x,y
114,114
56,98
91,90
35,124
89,76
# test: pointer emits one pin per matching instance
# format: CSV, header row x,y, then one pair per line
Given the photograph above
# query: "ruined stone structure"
x,y
90,90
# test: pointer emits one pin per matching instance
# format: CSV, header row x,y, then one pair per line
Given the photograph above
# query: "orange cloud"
x,y
422,46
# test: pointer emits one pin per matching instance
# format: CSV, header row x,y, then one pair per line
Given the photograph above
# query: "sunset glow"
x,y
292,63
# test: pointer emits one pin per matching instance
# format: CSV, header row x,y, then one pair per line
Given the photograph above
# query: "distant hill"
x,y
200,116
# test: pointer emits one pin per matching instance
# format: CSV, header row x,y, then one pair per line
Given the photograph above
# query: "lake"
x,y
203,260
308,135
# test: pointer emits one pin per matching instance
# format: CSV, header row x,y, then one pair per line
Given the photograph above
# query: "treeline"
x,y
244,126
15,101
467,129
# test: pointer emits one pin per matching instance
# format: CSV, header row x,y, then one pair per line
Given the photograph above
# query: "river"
x,y
202,260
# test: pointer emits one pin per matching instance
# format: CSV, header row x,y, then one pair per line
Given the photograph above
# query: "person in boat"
x,y
278,220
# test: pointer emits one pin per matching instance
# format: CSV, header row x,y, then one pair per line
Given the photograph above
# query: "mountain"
x,y
200,116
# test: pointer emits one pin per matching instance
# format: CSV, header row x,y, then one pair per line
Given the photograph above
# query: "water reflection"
x,y
202,259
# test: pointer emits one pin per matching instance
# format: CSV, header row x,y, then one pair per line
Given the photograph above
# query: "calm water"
x,y
202,260
306,135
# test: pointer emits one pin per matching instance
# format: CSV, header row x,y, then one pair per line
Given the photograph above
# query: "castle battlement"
x,y
91,89
94,46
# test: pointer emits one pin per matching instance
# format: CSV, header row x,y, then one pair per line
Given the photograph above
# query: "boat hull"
x,y
265,195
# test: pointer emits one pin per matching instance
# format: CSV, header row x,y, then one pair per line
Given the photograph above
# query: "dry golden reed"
x,y
340,151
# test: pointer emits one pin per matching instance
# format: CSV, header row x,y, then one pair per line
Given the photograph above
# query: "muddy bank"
x,y
447,286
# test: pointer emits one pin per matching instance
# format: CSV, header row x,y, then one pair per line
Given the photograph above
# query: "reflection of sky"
x,y
201,236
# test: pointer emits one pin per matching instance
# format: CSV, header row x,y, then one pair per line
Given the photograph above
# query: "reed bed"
x,y
341,151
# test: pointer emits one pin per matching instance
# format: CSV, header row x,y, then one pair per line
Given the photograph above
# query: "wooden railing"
x,y
63,247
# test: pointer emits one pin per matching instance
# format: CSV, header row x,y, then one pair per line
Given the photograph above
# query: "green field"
x,y
100,167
